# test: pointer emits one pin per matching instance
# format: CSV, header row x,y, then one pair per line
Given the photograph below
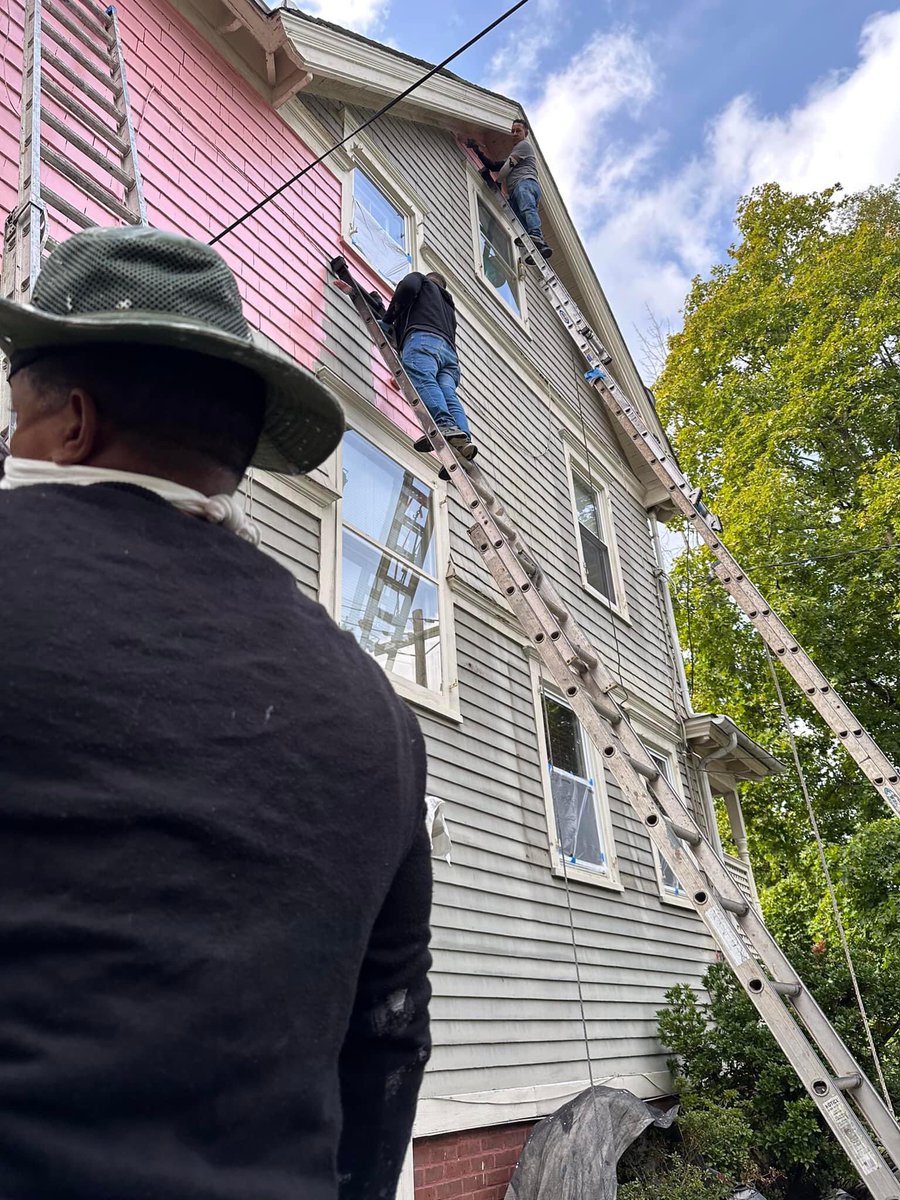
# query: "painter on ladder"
x,y
215,877
518,171
421,318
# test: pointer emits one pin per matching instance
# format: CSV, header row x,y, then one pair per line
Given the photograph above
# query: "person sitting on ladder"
x,y
423,317
519,173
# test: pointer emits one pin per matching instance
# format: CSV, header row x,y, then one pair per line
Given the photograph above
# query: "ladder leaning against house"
x,y
867,1130
856,740
78,164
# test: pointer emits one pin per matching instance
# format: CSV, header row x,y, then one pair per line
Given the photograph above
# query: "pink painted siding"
x,y
210,147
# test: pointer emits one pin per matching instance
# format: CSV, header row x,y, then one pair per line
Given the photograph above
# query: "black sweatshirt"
x,y
420,303
214,874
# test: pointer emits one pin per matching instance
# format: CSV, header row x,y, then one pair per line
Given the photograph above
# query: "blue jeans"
x,y
525,198
432,365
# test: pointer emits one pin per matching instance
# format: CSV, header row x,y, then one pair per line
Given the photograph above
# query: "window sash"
x,y
578,826
497,257
384,486
391,599
379,229
595,550
393,611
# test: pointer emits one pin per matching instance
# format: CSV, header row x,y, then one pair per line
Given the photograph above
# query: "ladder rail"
x,y
590,688
54,32
849,731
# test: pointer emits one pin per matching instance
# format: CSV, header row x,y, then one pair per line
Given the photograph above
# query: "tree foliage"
x,y
782,397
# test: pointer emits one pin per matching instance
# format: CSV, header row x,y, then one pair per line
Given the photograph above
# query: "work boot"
x,y
468,452
453,434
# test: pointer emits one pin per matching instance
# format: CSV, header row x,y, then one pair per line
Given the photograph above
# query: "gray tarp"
x,y
572,1154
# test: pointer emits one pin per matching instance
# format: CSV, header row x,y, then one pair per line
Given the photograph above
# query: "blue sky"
x,y
655,117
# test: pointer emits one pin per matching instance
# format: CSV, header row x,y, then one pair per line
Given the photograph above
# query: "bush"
x,y
746,1114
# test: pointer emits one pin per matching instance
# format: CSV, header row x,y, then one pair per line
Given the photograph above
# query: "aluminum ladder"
x,y
866,1129
78,163
855,739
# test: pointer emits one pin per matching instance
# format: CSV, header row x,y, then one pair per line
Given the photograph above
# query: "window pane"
x,y
586,505
564,735
497,257
388,504
576,818
670,883
597,564
379,229
392,611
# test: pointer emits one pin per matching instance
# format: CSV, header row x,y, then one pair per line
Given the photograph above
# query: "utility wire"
x,y
369,121
801,775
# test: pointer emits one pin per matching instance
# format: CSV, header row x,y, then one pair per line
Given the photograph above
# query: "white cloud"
x,y
364,16
611,73
650,232
512,68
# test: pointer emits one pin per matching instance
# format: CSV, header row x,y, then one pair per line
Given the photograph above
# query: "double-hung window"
x,y
582,835
390,596
497,257
379,229
669,884
592,514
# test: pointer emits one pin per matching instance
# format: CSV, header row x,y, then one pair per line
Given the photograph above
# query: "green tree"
x,y
782,397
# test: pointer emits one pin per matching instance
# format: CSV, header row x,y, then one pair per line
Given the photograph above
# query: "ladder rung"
x,y
647,770
75,79
91,152
786,989
846,1083
739,907
75,215
693,837
83,114
86,184
91,20
77,31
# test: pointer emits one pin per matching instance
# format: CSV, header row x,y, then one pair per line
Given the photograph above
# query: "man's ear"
x,y
79,430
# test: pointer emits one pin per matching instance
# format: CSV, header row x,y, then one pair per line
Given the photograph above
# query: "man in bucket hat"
x,y
214,874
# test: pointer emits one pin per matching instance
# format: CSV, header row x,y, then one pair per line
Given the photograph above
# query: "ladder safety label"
x,y
840,1116
731,943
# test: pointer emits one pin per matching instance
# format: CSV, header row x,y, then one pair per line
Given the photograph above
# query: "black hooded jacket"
x,y
420,303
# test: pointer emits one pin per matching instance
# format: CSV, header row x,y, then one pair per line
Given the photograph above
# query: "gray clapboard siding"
x,y
501,921
288,532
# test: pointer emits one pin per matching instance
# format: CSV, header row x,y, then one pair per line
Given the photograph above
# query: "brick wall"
x,y
472,1165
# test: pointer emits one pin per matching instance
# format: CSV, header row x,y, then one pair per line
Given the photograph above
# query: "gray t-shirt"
x,y
526,167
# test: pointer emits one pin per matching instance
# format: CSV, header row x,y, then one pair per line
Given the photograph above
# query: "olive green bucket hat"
x,y
137,285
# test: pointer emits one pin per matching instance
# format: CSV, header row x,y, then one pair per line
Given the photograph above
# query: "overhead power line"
x,y
369,121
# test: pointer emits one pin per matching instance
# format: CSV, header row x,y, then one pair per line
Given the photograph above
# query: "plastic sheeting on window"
x,y
576,819
390,259
438,830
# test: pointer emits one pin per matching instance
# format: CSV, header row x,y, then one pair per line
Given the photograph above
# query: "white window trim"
x,y
317,500
570,871
390,441
669,751
363,156
576,463
476,194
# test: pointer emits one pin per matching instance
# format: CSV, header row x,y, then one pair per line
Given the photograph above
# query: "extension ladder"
x,y
857,741
868,1133
78,163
